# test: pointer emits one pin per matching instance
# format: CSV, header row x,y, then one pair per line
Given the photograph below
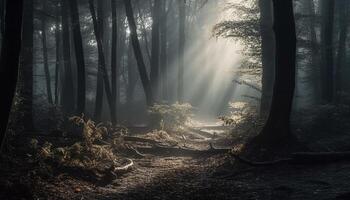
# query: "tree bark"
x,y
58,52
341,57
68,94
45,57
267,55
102,63
315,58
114,65
26,65
154,77
163,52
182,20
138,53
277,128
79,53
99,87
327,71
9,62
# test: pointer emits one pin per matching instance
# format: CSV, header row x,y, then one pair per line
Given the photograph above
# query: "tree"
x,y
267,54
102,63
9,62
68,94
99,87
58,51
163,51
26,65
114,65
327,71
79,53
182,20
277,128
45,56
154,77
341,56
315,59
138,53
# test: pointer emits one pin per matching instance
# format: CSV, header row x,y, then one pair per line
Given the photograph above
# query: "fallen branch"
x,y
124,169
302,158
138,139
243,82
172,151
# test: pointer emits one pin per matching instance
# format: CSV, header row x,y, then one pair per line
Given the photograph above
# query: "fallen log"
x,y
173,151
138,139
302,158
124,169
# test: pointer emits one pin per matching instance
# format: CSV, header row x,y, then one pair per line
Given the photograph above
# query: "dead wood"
x,y
302,158
138,139
173,151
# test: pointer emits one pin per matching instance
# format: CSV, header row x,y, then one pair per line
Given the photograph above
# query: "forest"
x,y
175,99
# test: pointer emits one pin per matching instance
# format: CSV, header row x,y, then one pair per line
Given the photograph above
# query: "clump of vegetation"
x,y
91,152
172,117
240,114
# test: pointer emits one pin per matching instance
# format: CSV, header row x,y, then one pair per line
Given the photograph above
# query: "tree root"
x,y
302,158
124,169
172,151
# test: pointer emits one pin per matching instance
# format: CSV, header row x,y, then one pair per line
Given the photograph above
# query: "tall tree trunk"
x,y
343,34
45,57
138,53
99,87
114,66
26,65
58,52
132,80
79,53
102,63
154,75
163,52
9,62
68,94
182,20
315,59
327,72
277,128
268,55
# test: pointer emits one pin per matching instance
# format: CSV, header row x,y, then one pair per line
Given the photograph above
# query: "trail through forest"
x,y
184,176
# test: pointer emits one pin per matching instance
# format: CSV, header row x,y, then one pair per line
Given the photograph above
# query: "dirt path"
x,y
179,177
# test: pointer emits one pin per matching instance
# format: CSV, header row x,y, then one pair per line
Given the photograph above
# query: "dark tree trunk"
x,y
327,71
9,62
79,53
315,59
26,65
154,77
102,63
163,52
182,20
268,55
277,128
99,87
114,64
138,53
58,53
341,57
45,57
68,95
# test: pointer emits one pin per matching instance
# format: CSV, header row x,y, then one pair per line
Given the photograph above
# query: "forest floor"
x,y
197,177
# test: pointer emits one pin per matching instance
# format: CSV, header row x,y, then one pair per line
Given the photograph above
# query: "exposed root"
x,y
171,151
302,158
124,169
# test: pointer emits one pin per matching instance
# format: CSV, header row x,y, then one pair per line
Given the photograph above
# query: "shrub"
x,y
171,117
